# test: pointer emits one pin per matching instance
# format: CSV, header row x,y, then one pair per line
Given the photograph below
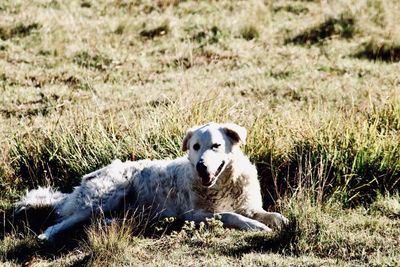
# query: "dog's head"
x,y
210,148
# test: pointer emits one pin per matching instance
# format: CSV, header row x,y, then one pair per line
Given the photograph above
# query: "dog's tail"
x,y
38,208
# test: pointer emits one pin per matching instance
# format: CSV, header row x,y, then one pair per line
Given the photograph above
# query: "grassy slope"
x,y
316,84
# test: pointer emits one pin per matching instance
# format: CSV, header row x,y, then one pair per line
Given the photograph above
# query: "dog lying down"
x,y
215,178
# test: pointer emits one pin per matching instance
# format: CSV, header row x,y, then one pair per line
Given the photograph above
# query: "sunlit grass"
x,y
315,84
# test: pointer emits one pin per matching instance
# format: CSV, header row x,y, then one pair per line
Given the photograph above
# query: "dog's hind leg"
x,y
50,233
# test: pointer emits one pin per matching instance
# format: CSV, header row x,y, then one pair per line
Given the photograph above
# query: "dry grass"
x,y
315,83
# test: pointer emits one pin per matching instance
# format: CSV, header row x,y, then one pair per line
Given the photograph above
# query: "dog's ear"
x,y
186,139
189,133
235,132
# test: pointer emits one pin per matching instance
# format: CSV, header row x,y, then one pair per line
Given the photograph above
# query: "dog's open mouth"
x,y
211,178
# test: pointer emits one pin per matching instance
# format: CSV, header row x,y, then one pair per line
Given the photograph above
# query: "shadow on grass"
x,y
342,26
28,250
285,241
20,243
386,51
18,30
19,236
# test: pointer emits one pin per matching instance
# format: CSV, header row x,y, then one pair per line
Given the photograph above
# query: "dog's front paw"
x,y
43,237
46,236
284,220
257,226
277,220
274,219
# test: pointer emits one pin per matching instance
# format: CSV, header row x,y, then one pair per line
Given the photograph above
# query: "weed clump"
x,y
166,3
97,61
109,242
249,32
19,30
343,26
295,9
387,51
386,205
207,37
86,4
160,30
120,29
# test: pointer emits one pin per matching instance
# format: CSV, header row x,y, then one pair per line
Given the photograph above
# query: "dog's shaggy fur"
x,y
215,178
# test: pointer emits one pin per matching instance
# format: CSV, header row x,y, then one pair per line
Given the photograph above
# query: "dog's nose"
x,y
202,169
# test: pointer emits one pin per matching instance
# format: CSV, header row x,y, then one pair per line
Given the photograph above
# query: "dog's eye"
x,y
196,146
215,146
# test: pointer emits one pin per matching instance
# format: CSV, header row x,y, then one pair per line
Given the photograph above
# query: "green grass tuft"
x,y
249,32
109,243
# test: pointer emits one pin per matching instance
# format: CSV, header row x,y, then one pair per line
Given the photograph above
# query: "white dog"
x,y
216,178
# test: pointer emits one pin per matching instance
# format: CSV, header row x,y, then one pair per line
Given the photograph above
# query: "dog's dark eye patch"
x,y
196,146
215,146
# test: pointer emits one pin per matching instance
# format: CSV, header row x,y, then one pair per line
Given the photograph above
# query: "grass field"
x,y
316,83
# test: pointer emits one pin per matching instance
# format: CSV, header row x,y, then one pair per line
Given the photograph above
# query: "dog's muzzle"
x,y
208,179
